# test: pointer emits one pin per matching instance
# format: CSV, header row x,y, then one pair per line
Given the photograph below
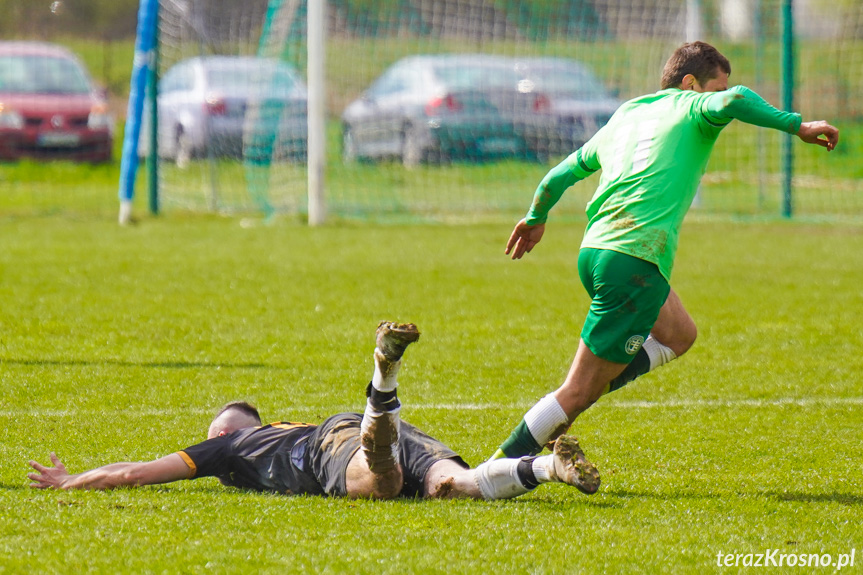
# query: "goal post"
x,y
317,111
142,71
242,145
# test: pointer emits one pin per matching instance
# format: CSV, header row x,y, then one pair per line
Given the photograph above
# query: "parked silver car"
x,y
437,108
231,106
574,99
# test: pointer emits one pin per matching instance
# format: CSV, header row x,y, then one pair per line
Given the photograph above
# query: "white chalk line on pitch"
x,y
287,409
670,403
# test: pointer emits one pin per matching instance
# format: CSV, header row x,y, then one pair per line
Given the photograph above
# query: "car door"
x,y
176,107
380,114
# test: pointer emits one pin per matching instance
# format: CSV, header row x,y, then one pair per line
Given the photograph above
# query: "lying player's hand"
x,y
812,132
48,476
523,238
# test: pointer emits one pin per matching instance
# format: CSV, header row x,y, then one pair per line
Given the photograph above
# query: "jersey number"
x,y
639,160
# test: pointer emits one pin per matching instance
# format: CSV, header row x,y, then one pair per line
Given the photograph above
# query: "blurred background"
x,y
504,90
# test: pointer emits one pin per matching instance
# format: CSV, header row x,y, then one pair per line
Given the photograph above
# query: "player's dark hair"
x,y
242,406
697,58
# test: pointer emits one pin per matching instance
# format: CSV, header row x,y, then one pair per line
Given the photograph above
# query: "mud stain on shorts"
x,y
341,436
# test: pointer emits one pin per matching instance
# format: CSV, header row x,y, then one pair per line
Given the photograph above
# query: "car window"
x,y
42,74
572,82
392,82
186,79
251,73
170,81
180,78
466,76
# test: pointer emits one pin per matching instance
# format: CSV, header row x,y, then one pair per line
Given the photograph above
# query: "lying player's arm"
x,y
741,103
164,470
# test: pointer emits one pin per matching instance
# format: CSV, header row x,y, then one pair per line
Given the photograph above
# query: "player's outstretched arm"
x,y
523,238
164,470
819,133
574,168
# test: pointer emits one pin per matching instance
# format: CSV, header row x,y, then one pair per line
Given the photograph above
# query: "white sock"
x,y
384,378
498,479
545,418
658,353
543,468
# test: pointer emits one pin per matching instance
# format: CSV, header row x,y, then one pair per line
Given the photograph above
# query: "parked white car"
x,y
218,106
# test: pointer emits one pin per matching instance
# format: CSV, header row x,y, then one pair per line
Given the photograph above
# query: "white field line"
x,y
623,404
665,404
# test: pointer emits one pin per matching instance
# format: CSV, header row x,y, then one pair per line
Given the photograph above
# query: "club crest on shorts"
x,y
633,344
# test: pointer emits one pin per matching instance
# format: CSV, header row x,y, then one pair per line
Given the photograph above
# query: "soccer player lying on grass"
x,y
369,455
652,153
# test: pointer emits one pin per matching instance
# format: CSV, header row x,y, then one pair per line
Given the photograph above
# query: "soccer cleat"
x,y
392,339
572,467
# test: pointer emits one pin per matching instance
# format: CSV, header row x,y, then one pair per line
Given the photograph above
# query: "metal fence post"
x,y
787,104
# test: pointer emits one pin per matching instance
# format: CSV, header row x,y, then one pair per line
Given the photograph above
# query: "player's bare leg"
x,y
584,384
379,430
671,336
446,479
552,415
674,327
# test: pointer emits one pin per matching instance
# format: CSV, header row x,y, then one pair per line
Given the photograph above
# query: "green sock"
x,y
639,365
519,443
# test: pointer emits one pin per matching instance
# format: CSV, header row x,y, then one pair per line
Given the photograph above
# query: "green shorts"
x,y
627,295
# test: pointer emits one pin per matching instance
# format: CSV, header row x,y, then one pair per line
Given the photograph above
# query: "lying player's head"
x,y
233,416
696,66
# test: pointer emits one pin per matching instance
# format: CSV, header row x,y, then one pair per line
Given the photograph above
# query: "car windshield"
x,y
229,78
571,82
471,76
43,75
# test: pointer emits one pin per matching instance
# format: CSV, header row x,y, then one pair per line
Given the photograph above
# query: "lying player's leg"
x,y
507,478
362,482
378,473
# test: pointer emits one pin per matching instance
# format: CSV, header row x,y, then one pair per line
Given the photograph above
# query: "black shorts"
x,y
332,445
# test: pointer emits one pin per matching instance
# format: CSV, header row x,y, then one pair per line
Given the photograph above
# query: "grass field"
x,y
119,344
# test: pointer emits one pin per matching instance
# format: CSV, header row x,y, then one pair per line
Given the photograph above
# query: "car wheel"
x,y
412,151
184,149
349,147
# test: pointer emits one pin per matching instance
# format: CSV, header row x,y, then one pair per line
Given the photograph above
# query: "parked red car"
x,y
49,108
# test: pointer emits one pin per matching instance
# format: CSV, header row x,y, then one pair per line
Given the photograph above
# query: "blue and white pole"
x,y
145,50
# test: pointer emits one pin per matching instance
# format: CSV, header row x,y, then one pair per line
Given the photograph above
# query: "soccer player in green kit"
x,y
652,153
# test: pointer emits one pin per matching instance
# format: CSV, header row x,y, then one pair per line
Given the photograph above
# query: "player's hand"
x,y
812,132
523,238
48,476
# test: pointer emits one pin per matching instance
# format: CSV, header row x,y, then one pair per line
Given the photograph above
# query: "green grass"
x,y
118,344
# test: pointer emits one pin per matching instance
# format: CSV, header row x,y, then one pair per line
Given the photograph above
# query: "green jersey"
x,y
652,153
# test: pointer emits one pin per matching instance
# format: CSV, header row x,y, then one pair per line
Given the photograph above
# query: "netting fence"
x,y
454,109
